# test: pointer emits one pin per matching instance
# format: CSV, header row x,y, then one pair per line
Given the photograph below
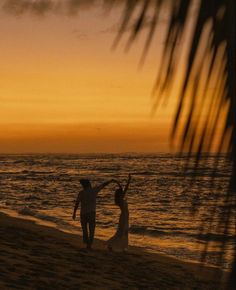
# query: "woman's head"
x,y
119,196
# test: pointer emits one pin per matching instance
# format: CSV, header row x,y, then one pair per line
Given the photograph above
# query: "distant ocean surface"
x,y
161,197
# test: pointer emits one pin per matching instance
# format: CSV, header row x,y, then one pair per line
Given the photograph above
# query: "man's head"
x,y
85,183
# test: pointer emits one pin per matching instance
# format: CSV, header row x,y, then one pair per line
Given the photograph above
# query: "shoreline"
x,y
135,245
35,256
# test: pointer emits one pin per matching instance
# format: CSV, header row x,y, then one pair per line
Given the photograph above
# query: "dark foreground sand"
x,y
33,256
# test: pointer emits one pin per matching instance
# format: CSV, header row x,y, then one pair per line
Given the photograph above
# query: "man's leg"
x,y
92,224
84,221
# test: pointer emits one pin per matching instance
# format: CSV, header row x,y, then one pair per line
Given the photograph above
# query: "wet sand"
x,y
34,256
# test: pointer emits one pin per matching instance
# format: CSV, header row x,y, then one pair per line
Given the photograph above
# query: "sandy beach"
x,y
35,256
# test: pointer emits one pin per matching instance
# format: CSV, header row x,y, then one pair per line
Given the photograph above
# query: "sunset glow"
x,y
58,73
60,80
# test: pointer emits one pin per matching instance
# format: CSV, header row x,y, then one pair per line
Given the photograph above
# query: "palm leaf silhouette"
x,y
204,118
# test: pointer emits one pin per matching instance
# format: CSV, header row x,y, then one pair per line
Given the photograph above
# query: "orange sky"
x,y
62,89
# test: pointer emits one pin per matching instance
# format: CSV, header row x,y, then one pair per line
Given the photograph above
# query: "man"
x,y
87,199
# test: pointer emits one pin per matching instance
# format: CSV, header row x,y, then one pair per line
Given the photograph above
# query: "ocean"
x,y
171,212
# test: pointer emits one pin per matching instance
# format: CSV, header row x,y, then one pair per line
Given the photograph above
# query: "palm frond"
x,y
205,115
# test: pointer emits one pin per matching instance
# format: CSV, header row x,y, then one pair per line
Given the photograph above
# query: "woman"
x,y
120,239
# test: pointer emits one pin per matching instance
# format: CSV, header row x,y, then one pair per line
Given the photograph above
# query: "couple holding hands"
x,y
87,201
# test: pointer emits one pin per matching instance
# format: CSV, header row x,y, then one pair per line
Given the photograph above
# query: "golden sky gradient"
x,y
62,89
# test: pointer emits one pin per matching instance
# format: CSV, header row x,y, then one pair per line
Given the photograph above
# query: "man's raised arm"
x,y
101,186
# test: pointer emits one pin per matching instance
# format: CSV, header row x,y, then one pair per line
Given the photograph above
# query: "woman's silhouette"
x,y
120,239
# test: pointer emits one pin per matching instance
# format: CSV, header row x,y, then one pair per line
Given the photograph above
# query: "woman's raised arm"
x,y
127,184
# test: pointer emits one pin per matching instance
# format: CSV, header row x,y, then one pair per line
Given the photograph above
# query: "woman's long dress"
x,y
120,239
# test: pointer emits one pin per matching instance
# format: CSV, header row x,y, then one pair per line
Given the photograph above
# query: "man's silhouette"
x,y
87,200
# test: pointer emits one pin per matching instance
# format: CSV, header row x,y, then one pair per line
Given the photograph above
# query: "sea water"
x,y
173,210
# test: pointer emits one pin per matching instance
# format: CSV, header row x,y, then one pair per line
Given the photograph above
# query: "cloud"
x,y
111,29
80,35
42,7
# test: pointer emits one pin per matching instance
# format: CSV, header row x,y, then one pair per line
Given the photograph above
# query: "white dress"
x,y
120,239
